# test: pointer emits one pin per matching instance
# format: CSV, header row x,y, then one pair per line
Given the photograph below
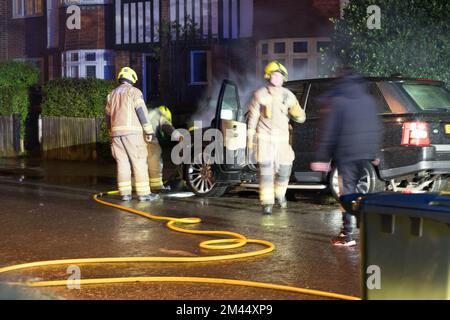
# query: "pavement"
x,y
47,213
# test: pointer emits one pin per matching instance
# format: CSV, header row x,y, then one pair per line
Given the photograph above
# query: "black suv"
x,y
415,154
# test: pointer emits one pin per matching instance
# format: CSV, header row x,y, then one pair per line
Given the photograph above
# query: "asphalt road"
x,y
47,213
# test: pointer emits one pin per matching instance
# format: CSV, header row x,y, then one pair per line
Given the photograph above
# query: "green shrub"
x,y
14,100
18,74
17,78
412,41
79,98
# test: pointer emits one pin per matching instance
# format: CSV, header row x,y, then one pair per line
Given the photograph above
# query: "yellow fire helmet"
x,y
128,74
166,113
275,66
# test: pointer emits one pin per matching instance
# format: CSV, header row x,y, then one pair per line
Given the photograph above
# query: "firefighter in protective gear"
x,y
268,125
161,120
128,122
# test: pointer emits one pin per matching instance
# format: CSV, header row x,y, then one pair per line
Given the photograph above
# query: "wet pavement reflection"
x,y
47,213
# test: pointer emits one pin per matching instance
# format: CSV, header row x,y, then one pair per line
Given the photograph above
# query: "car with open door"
x,y
415,152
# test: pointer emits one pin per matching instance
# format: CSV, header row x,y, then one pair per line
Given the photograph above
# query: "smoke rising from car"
x,y
246,84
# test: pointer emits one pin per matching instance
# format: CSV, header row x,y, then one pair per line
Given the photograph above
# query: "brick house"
x,y
35,31
19,19
230,37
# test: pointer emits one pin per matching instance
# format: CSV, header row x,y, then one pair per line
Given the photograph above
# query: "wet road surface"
x,y
47,213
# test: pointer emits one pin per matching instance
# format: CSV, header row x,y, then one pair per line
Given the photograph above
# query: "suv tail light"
x,y
415,134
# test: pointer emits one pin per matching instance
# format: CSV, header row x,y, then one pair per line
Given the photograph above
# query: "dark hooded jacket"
x,y
351,129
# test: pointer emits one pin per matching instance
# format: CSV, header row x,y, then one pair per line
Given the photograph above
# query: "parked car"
x,y
415,153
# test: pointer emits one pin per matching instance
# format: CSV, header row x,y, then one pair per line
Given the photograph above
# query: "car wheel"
x,y
368,183
200,179
291,195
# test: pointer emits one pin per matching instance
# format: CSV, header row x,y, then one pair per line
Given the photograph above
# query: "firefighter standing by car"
x,y
268,123
350,135
127,121
161,120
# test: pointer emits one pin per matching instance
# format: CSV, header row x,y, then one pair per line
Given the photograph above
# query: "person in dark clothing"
x,y
351,134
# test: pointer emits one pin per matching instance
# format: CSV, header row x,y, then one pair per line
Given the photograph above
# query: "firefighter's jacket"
x,y
268,121
162,126
126,112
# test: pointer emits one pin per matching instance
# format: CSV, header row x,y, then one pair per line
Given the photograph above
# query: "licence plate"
x,y
447,128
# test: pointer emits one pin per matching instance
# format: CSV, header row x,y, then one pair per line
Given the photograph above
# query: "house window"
x,y
73,56
231,18
300,68
91,71
88,63
279,47
199,67
27,8
91,56
302,57
264,48
74,72
300,46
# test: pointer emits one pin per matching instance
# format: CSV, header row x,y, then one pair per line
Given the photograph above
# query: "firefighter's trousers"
x,y
130,152
155,165
273,182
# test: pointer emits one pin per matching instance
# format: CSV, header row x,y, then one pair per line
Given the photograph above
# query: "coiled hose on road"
x,y
237,240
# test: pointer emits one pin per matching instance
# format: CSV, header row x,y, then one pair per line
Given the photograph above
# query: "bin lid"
x,y
433,206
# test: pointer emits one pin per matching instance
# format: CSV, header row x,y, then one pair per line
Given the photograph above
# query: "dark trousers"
x,y
350,172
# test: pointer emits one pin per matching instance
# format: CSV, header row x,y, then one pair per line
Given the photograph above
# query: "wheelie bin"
x,y
405,244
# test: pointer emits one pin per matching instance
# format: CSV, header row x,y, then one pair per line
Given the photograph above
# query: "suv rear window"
x,y
428,97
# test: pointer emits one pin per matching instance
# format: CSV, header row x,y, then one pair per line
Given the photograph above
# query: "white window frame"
x,y
100,63
23,14
289,55
208,68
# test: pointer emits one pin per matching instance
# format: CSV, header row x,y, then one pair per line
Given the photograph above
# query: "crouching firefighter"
x,y
268,123
127,121
161,120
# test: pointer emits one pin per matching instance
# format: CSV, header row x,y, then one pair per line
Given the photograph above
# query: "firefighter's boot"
x,y
267,209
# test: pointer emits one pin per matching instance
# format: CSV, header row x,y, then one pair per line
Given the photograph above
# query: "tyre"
x,y
200,179
291,195
368,183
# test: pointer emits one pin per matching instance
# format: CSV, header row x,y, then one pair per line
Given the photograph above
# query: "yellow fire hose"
x,y
237,240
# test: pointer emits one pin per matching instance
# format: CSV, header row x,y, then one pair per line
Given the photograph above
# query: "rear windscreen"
x,y
428,97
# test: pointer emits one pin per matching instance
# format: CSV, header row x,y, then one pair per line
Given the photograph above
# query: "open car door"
x,y
230,121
